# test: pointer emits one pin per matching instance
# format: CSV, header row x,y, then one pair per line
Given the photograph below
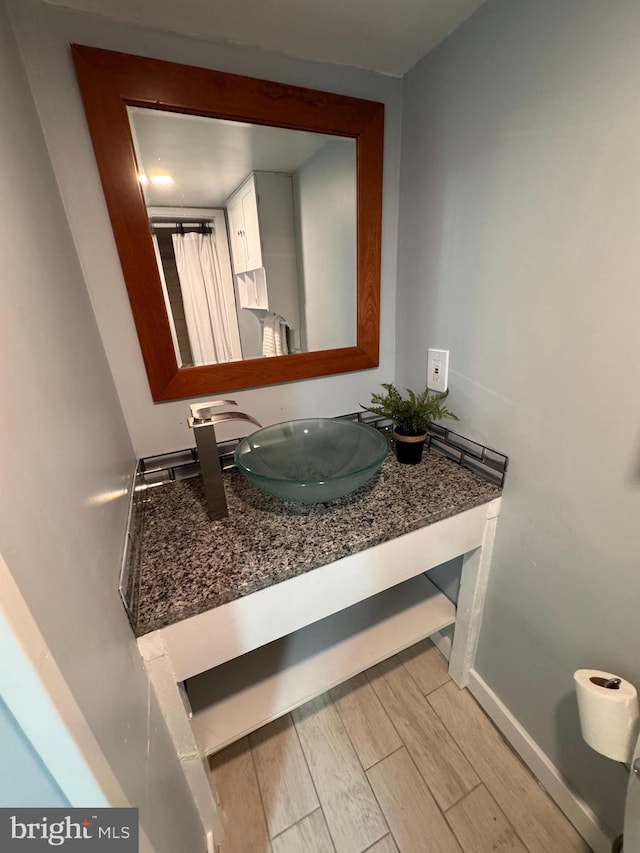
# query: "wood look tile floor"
x,y
396,760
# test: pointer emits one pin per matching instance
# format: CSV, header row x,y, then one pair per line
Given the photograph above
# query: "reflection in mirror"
x,y
309,323
254,229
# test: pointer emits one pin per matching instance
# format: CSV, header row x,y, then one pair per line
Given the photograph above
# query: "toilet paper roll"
x,y
608,717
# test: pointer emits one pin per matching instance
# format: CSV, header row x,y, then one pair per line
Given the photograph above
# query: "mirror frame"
x,y
109,82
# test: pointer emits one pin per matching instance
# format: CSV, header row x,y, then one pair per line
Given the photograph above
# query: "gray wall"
x,y
44,33
519,227
66,465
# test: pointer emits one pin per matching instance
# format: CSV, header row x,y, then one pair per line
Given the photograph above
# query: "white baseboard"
x,y
577,811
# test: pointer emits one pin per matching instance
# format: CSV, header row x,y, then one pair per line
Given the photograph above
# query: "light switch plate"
x,y
438,370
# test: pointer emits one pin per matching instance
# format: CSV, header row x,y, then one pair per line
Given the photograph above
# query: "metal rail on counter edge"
x,y
153,471
483,460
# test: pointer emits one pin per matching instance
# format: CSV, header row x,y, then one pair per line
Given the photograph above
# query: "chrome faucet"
x,y
202,420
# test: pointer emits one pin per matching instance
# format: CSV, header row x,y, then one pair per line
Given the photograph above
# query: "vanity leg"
x,y
473,586
194,765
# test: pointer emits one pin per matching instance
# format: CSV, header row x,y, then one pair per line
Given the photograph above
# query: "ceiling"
x,y
208,158
379,35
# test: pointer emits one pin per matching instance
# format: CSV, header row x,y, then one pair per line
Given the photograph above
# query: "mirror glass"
x,y
271,191
254,230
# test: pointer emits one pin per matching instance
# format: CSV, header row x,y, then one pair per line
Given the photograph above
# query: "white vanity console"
x,y
270,651
258,655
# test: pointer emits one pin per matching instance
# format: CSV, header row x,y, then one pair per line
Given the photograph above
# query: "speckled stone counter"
x,y
190,564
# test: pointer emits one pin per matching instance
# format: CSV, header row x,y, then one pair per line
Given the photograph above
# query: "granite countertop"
x,y
190,564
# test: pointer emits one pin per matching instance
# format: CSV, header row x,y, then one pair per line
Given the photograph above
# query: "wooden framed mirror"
x,y
114,86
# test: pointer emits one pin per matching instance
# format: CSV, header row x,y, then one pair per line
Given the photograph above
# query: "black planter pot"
x,y
409,448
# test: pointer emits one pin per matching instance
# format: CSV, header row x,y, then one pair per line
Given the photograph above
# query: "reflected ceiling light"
x,y
162,180
143,179
102,498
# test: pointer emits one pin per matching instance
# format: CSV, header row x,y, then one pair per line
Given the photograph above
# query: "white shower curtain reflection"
x,y
205,304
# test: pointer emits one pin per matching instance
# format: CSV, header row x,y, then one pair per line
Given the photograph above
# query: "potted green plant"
x,y
411,416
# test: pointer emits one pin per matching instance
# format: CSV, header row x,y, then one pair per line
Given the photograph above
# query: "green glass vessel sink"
x,y
313,460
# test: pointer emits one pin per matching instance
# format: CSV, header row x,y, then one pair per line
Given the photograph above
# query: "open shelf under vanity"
x,y
243,694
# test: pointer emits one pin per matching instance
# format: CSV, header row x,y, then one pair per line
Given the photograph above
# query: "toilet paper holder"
x,y
610,683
